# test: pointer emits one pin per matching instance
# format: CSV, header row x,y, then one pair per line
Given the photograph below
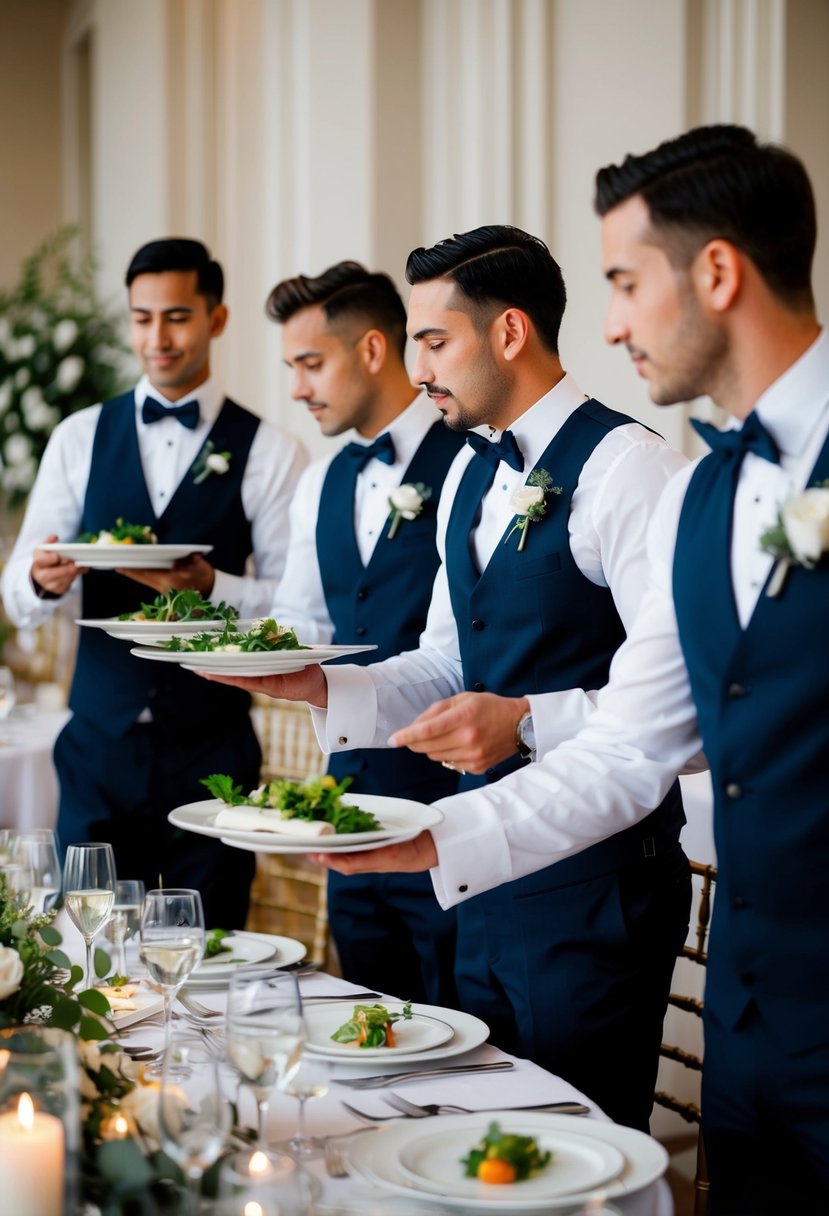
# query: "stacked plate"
x,y
249,663
124,557
587,1156
400,819
433,1033
245,949
154,633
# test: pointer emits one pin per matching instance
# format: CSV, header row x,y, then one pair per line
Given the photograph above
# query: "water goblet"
x,y
125,919
172,942
309,1080
194,1116
264,1032
89,892
38,852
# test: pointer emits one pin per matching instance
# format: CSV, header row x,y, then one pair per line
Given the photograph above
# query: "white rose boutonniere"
x,y
529,503
801,535
11,971
406,502
210,461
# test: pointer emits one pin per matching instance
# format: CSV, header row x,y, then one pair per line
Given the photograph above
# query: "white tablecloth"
x,y
28,785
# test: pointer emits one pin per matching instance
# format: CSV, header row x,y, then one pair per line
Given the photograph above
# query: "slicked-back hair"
x,y
344,291
499,266
718,181
180,253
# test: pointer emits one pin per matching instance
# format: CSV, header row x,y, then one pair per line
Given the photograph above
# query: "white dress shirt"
x,y
167,451
300,601
616,494
644,728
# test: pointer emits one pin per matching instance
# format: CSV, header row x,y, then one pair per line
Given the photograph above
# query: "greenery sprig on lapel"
x,y
529,503
210,461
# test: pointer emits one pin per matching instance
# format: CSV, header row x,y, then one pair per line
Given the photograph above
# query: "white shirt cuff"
x,y
473,852
351,717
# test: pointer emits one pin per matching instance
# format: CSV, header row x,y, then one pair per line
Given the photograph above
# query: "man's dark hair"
x,y
180,253
718,181
498,266
344,291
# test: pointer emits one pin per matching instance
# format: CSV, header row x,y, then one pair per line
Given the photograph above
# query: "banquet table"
x,y
28,784
525,1083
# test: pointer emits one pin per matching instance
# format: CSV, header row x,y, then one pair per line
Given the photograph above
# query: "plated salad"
x,y
316,801
371,1026
121,533
503,1157
186,605
264,635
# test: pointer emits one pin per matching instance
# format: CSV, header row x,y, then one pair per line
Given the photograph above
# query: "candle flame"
x,y
26,1112
254,1209
121,1126
259,1164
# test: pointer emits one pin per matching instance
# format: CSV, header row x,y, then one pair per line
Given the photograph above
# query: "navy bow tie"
x,y
751,437
362,453
187,414
506,449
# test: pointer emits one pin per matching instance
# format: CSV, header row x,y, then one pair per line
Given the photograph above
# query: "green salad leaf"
x,y
521,1152
265,635
184,605
121,533
371,1026
214,943
319,798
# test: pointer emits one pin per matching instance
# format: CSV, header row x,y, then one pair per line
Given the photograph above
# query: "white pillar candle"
x,y
31,1161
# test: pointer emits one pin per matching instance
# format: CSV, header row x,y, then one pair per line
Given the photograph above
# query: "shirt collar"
x,y
209,395
407,429
792,407
535,428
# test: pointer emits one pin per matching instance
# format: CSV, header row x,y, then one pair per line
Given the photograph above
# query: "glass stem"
x,y
167,997
300,1122
90,966
193,1194
262,1116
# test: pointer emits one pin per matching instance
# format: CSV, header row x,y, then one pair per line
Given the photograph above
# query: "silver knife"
x,y
395,1078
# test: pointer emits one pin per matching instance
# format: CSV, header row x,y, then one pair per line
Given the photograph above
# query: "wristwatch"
x,y
525,737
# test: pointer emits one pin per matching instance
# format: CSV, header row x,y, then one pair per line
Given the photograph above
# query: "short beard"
x,y
701,355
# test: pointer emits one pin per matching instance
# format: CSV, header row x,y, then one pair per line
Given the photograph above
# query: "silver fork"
x,y
446,1108
196,1007
361,1114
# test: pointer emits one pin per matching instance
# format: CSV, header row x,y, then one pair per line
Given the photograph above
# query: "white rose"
x,y
22,377
408,500
25,347
69,373
16,449
806,521
217,463
66,331
11,971
525,498
141,1104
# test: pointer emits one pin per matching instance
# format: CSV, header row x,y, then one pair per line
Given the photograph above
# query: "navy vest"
x,y
531,622
761,698
110,686
386,603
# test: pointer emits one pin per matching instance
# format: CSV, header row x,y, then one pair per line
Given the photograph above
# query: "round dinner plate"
x,y
377,1157
248,663
248,949
111,557
400,819
468,1032
156,631
420,1033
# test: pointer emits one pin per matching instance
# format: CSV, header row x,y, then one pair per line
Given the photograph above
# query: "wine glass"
x,y
125,919
172,942
309,1080
38,852
89,891
193,1113
264,1032
8,698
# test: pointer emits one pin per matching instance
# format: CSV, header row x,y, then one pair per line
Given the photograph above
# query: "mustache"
x,y
436,390
635,352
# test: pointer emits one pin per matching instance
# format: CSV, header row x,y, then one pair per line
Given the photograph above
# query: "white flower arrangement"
x,y
209,461
529,503
801,535
406,502
59,352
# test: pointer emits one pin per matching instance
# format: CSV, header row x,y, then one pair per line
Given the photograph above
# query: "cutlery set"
x,y
384,1080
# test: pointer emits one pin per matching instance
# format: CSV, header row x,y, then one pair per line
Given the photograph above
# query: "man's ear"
x,y
218,320
373,347
717,271
512,330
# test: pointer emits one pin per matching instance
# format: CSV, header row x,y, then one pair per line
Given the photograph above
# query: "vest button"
x,y
490,772
463,888
478,687
733,790
736,690
478,626
360,631
343,739
362,595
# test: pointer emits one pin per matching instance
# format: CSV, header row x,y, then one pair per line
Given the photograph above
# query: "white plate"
x,y
110,557
147,1004
375,1156
256,948
420,1033
249,663
400,818
468,1032
432,1161
153,631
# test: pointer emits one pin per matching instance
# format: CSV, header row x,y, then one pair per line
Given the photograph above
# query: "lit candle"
x,y
31,1161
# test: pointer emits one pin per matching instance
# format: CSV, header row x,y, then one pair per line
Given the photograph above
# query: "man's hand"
x,y
474,730
51,572
409,857
307,685
191,573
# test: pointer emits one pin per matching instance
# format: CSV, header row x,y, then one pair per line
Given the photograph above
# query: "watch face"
x,y
526,737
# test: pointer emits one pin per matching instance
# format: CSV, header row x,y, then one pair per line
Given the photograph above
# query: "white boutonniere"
x,y
406,502
801,535
529,503
210,461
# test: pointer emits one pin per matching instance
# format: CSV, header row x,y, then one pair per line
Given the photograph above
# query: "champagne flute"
x,y
125,919
38,851
89,892
172,942
264,1032
309,1080
193,1113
